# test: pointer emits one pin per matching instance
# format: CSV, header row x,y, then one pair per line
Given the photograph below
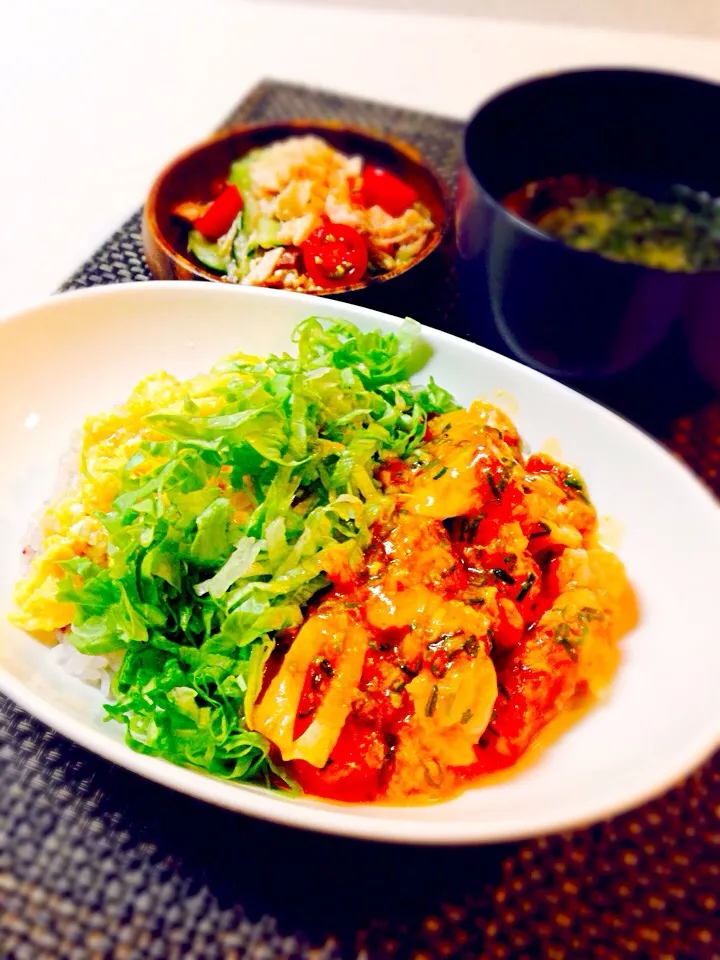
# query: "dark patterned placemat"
x,y
97,863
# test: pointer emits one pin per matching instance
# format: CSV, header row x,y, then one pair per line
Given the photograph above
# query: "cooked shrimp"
x,y
336,635
538,680
464,463
481,609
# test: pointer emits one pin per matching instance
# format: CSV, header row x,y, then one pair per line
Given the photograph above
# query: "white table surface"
x,y
98,96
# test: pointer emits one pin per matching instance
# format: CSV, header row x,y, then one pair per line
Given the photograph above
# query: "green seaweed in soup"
x,y
680,234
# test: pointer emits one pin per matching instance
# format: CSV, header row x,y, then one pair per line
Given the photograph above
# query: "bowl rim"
x,y
531,229
343,821
409,152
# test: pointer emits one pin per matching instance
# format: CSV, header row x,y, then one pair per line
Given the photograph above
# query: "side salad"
x,y
301,215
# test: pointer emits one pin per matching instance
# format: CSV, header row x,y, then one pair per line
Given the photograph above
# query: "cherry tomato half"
x,y
219,216
350,775
382,189
335,255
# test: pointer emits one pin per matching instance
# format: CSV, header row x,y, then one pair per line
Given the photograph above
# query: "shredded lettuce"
x,y
194,595
208,252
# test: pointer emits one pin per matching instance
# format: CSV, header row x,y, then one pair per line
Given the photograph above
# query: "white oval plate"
x,y
81,352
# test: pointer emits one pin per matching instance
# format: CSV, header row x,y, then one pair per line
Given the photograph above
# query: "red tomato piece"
x,y
539,463
382,189
219,216
350,774
335,255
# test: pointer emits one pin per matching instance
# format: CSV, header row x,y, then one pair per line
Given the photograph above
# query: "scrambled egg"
x,y
71,526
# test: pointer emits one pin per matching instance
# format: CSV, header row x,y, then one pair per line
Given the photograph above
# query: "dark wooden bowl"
x,y
190,175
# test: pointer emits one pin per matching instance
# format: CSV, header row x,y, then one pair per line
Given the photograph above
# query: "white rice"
x,y
96,671
67,475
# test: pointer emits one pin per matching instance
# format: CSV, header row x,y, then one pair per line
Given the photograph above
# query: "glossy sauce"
x,y
479,600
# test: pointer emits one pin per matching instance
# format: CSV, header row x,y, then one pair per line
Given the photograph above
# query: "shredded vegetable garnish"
x,y
232,495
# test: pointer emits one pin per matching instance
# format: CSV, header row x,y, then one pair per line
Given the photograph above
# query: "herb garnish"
x,y
543,529
525,588
503,575
326,667
472,647
572,652
494,489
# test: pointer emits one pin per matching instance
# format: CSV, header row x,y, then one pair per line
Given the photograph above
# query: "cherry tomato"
x,y
382,189
219,216
335,255
350,775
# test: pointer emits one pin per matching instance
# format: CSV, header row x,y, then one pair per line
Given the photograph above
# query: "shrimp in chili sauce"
x,y
482,608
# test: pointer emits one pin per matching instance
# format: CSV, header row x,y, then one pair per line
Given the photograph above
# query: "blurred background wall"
x,y
688,17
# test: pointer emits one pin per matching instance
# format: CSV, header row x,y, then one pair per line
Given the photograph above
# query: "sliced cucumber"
x,y
239,174
239,265
208,252
406,253
266,231
240,171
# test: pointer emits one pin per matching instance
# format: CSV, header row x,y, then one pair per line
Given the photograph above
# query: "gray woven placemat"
x,y
97,863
